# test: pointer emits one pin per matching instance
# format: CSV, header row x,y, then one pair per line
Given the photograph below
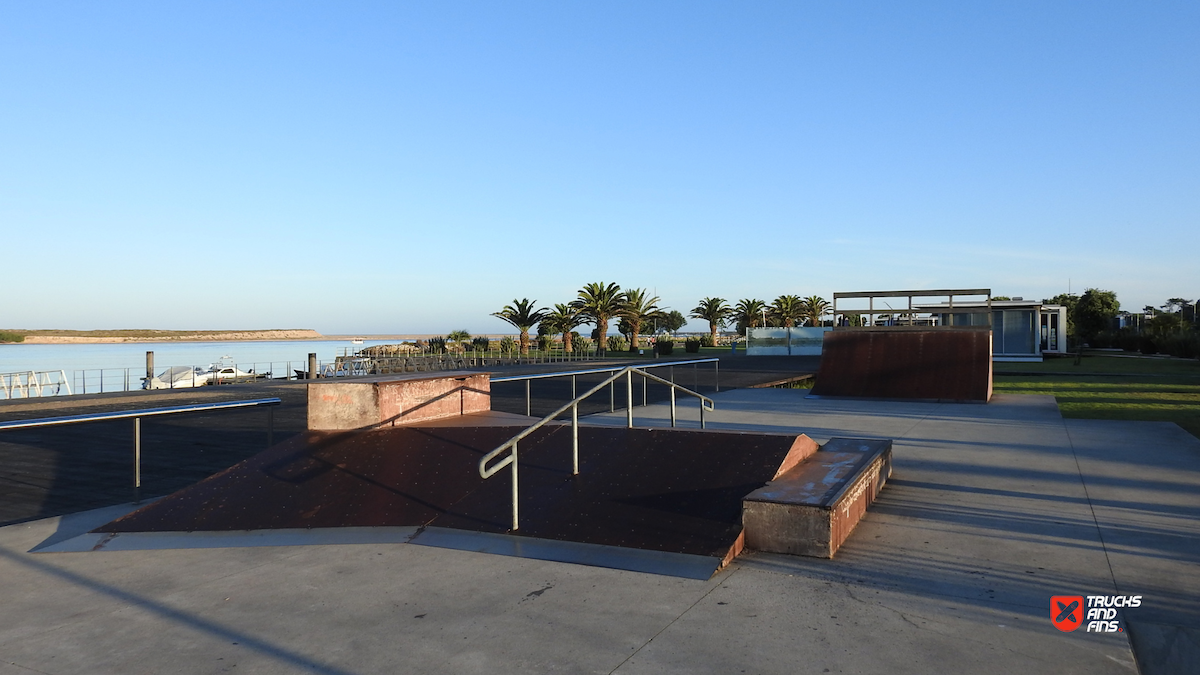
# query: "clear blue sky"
x,y
412,167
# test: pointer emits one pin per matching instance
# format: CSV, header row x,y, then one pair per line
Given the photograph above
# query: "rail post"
x,y
575,439
514,487
717,374
527,403
312,366
137,453
149,365
629,399
672,390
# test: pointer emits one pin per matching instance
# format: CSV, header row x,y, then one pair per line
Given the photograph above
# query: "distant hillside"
x,y
44,336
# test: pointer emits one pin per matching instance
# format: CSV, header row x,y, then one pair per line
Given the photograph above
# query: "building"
x,y
1022,330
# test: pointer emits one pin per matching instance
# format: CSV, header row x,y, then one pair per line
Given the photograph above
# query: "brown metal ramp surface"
x,y
943,364
662,490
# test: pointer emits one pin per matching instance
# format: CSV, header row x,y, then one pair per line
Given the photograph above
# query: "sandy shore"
x,y
173,336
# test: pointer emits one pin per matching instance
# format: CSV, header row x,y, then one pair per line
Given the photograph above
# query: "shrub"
x,y
665,347
692,346
481,344
508,344
437,345
1147,345
581,344
7,336
706,340
545,342
1181,345
617,343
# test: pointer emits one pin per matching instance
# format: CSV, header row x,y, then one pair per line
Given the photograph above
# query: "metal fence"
x,y
35,384
137,415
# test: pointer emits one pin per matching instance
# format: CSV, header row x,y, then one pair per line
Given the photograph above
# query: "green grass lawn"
x,y
1112,387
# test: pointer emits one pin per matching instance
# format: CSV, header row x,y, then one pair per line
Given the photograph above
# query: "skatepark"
x,y
284,563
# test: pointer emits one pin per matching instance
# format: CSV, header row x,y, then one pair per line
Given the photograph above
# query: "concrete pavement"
x,y
991,510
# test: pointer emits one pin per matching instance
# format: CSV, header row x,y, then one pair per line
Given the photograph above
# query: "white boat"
x,y
221,372
185,377
356,341
178,377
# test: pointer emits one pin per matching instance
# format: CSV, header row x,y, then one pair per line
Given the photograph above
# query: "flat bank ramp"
x,y
656,490
946,364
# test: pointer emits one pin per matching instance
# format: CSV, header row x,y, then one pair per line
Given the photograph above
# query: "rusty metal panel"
x,y
947,364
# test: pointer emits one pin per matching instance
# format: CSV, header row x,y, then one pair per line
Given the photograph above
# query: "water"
x,y
18,358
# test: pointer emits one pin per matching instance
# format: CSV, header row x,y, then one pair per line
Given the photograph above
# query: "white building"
x,y
1022,330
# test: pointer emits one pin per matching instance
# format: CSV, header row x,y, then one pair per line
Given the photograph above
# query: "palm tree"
x,y
749,312
787,309
563,319
637,308
459,337
598,303
814,308
524,316
716,312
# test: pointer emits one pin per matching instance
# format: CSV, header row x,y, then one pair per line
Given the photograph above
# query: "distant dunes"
x,y
146,335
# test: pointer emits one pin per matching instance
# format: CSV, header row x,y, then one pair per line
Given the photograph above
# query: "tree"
x,y
1094,312
1175,306
637,308
598,303
459,337
524,316
787,309
715,311
814,308
563,319
669,321
749,312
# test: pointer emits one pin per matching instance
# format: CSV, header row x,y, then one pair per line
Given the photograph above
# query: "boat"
x,y
356,341
185,377
221,372
178,377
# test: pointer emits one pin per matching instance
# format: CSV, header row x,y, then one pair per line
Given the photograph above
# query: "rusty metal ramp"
x,y
903,363
646,499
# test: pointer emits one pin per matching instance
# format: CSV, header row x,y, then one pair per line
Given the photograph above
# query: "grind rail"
x,y
137,416
527,379
486,471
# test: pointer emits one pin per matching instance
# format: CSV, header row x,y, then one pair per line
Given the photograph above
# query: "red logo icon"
x,y
1066,612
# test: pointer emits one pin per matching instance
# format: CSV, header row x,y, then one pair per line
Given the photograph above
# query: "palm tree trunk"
x,y
525,342
602,342
712,330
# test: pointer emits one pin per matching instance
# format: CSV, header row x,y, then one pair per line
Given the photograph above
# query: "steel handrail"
x,y
486,471
125,414
137,416
593,371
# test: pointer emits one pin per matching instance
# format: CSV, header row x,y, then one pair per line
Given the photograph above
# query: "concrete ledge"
x,y
811,509
396,399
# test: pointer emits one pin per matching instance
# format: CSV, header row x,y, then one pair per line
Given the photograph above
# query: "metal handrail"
x,y
137,416
592,371
486,471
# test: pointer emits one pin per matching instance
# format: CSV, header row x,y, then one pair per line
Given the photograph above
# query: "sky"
x,y
388,167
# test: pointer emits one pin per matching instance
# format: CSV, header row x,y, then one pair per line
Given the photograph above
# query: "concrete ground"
x,y
991,510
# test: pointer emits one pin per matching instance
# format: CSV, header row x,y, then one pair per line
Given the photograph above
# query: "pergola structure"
x,y
973,308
